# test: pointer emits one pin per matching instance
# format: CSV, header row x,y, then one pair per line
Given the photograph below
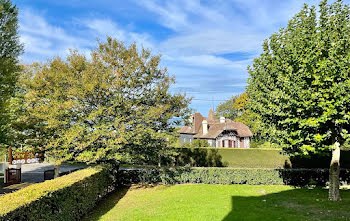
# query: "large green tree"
x,y
227,110
237,108
10,49
116,106
301,83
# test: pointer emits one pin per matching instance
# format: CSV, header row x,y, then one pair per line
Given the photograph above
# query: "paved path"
x,y
34,173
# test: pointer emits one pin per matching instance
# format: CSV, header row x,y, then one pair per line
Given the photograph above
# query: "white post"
x,y
6,166
56,171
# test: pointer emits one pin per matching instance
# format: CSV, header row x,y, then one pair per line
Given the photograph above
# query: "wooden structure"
x,y
25,157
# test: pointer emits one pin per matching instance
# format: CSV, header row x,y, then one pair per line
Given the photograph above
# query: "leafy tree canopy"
x,y
116,106
261,132
301,84
227,110
199,143
11,48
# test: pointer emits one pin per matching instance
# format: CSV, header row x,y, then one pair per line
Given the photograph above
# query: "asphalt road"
x,y
34,173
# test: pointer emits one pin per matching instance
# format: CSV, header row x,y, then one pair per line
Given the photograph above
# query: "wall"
x,y
186,138
227,137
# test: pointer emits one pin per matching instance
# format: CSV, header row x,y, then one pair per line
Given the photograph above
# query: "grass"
x,y
221,202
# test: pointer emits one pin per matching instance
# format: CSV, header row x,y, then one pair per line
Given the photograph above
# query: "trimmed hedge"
x,y
66,198
295,177
253,158
230,157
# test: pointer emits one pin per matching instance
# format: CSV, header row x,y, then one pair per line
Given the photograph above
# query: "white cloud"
x,y
106,27
43,40
171,15
213,61
213,41
198,36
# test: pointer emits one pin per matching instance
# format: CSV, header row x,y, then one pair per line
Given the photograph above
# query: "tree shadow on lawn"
x,y
107,204
296,204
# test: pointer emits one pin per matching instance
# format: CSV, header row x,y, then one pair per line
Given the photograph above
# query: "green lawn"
x,y
221,202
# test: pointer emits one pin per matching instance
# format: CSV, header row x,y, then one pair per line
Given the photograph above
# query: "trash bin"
x,y
49,174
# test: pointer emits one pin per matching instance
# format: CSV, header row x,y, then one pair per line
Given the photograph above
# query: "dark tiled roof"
x,y
211,116
186,130
215,128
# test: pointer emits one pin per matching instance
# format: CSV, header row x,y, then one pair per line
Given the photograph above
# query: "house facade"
x,y
218,132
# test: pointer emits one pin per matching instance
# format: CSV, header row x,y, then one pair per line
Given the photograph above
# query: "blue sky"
x,y
206,45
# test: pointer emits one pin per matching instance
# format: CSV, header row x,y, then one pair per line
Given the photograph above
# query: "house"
x,y
218,132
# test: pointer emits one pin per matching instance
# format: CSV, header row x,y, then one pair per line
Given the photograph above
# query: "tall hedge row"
x,y
295,177
253,158
66,198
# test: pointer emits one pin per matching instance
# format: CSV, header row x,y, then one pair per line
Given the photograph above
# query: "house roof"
x,y
211,116
215,127
186,130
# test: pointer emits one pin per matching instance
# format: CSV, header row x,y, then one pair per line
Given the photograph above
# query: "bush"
x,y
199,143
180,175
65,198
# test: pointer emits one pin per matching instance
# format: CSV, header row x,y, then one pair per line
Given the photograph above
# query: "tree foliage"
x,y
261,132
11,48
237,109
227,110
300,83
116,106
199,143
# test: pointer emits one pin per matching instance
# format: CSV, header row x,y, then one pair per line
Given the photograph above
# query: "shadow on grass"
x,y
296,204
106,204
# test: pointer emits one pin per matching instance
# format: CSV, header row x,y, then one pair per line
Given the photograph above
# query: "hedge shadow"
x,y
295,204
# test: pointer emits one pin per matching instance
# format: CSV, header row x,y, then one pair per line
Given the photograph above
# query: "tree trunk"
x,y
334,174
57,171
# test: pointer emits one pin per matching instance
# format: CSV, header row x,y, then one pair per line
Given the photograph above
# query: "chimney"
x,y
222,120
205,126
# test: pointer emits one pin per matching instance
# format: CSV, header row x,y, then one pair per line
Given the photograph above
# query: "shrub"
x,y
65,198
180,175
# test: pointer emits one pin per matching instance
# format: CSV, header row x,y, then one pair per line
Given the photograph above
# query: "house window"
x,y
223,143
229,143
